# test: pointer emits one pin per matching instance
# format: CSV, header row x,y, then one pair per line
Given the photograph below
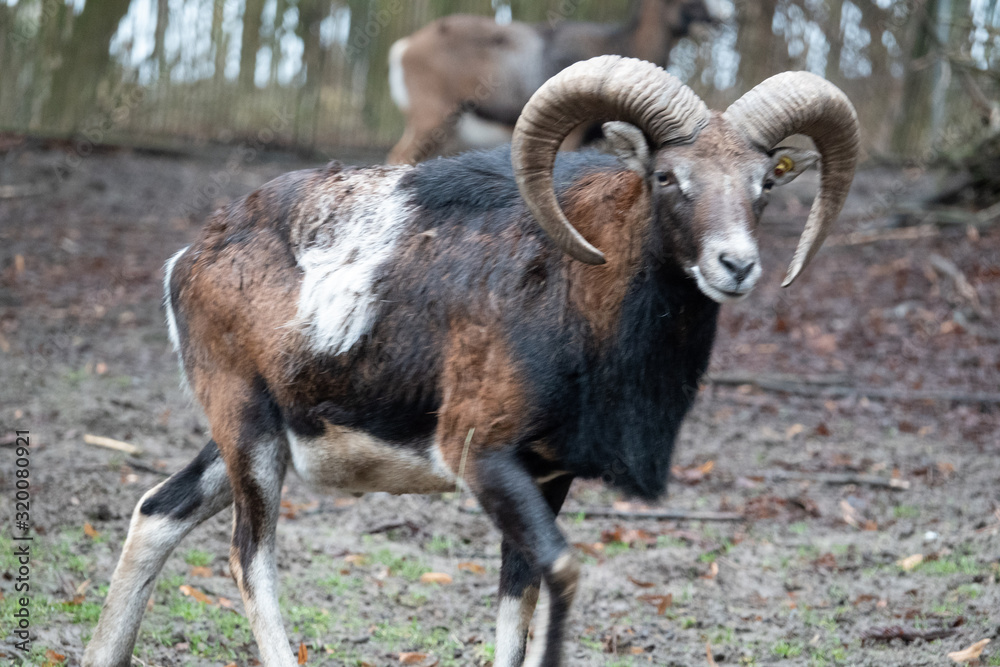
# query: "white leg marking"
x,y
343,240
513,618
263,610
540,641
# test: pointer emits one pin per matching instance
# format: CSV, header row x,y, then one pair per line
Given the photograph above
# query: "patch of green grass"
x,y
784,649
170,583
402,566
186,608
621,662
953,564
612,549
669,541
906,511
40,609
968,591
198,558
413,637
689,622
86,613
340,584
487,651
722,635
994,660
441,545
75,377
310,622
799,528
234,627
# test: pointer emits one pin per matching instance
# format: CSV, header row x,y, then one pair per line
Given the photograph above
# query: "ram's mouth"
x,y
718,294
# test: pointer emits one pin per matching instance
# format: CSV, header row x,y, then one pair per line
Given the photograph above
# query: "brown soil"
x,y
810,577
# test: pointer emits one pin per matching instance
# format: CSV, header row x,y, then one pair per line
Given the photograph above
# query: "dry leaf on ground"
x,y
52,658
910,562
435,578
971,653
412,658
662,602
303,653
708,654
474,568
190,591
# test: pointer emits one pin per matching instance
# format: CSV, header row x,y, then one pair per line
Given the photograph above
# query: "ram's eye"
x,y
665,178
785,165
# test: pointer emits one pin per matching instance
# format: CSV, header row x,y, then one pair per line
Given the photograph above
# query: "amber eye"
x,y
785,165
665,178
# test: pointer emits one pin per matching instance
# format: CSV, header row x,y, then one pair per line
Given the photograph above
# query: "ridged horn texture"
x,y
803,103
601,89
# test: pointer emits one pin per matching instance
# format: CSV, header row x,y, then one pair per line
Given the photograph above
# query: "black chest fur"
x,y
614,411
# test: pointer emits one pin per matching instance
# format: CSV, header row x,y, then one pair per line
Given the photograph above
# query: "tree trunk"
x,y
159,49
250,43
73,90
756,41
219,42
912,119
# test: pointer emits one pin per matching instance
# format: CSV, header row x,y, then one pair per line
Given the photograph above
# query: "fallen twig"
x,y
23,190
111,443
136,465
807,387
876,235
386,527
962,286
907,635
659,515
738,378
839,478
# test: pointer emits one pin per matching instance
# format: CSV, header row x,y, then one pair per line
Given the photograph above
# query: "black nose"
x,y
740,268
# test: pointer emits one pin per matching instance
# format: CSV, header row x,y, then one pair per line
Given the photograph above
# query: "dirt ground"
x,y
890,359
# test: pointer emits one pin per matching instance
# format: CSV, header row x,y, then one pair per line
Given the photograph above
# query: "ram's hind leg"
x,y
253,442
164,515
519,587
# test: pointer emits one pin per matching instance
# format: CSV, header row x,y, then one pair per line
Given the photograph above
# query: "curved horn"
x,y
600,89
803,103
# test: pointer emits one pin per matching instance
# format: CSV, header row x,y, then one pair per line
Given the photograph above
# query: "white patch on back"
x,y
475,132
341,242
397,75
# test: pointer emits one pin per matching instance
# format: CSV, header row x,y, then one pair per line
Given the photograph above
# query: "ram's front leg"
x,y
519,587
520,509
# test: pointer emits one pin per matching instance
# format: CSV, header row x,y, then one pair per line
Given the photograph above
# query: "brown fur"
x,y
612,212
482,391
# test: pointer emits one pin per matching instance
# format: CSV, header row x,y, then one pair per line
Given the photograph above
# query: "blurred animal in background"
x,y
462,80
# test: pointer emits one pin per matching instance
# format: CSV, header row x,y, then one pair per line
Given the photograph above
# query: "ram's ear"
x,y
788,163
628,144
